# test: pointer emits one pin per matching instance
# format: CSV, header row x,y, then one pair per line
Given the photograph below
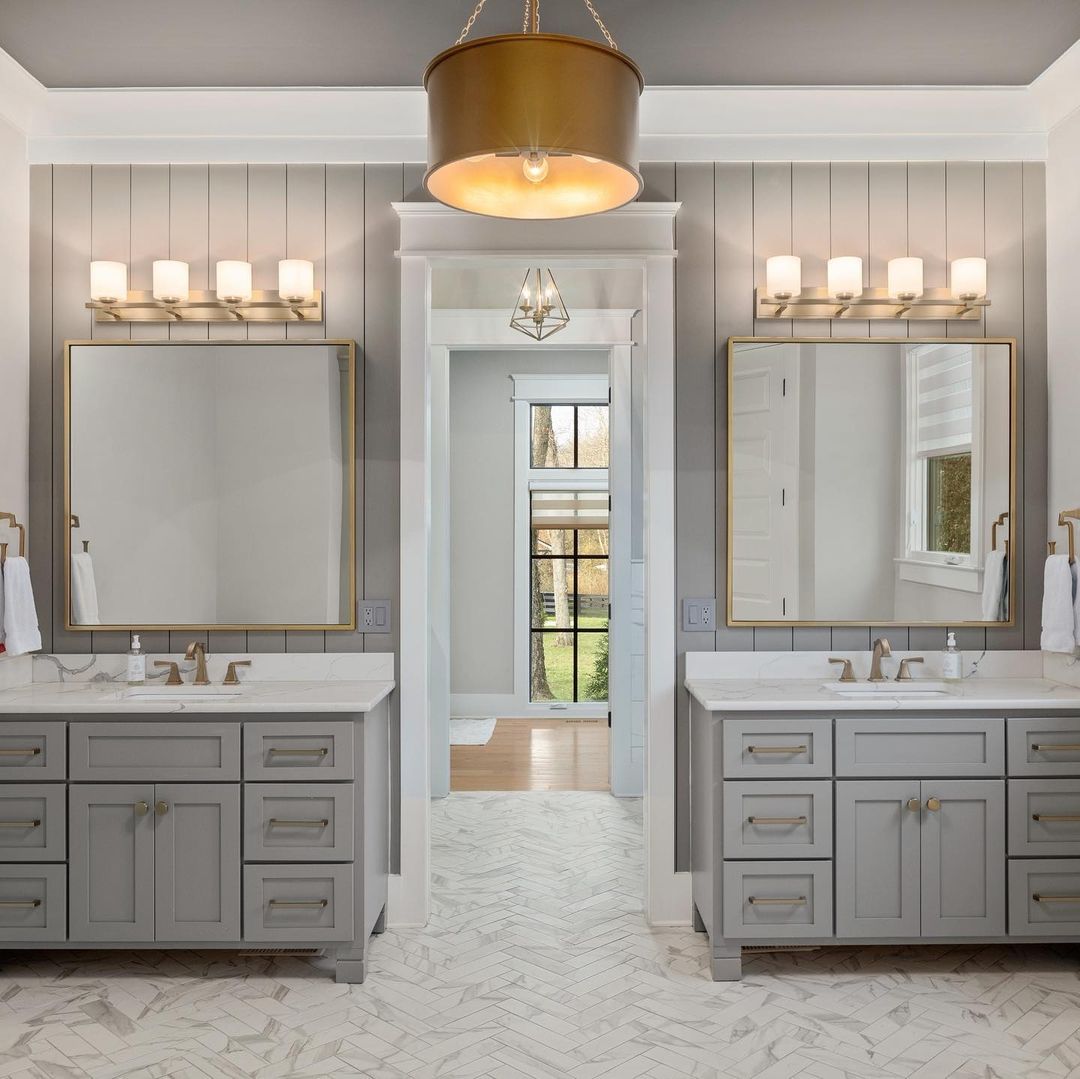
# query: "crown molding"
x,y
1055,93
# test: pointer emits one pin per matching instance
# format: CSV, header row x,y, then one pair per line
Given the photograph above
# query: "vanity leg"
x,y
380,923
699,924
725,962
350,966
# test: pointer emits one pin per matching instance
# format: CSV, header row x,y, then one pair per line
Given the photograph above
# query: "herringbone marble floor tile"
x,y
538,964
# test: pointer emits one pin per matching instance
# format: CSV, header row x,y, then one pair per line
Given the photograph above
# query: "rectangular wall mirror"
x,y
210,485
871,482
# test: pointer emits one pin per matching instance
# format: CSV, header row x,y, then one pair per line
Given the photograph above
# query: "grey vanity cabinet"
x,y
154,862
920,859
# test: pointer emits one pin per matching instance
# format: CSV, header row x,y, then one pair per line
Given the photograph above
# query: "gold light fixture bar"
x,y
204,306
874,303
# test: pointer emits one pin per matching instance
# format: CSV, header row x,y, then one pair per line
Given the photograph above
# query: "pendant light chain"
x,y
469,24
600,22
529,12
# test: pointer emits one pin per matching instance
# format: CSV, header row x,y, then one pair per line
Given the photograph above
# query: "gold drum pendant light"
x,y
533,126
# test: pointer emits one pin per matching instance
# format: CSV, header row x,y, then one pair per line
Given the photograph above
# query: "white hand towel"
x,y
21,632
1059,611
84,599
1076,603
993,587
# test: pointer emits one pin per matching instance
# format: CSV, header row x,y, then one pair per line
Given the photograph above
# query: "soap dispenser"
x,y
952,660
136,663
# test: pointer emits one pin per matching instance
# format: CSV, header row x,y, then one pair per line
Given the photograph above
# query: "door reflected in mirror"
x,y
870,481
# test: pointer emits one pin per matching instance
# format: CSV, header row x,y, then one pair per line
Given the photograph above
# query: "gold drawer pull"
x,y
1039,898
794,901
20,904
20,824
320,752
296,904
1056,816
277,822
30,751
775,820
776,749
1061,747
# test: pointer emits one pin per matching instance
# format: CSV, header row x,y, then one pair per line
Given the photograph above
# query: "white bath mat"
x,y
471,732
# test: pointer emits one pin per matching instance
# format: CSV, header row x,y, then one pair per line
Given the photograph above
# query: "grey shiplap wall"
x,y
733,216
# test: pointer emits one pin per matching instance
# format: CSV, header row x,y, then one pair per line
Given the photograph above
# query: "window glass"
x,y
948,509
592,436
553,436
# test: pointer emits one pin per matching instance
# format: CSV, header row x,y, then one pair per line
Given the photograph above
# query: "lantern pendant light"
x,y
533,125
539,311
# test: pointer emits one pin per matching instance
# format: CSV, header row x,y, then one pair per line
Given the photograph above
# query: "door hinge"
x,y
783,496
609,718
784,606
784,391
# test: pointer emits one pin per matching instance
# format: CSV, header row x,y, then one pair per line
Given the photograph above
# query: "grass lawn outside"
x,y
559,659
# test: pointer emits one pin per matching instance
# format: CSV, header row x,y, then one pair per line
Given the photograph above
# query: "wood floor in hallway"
x,y
535,755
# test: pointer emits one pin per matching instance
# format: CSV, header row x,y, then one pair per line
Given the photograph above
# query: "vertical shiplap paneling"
x,y
1004,246
149,241
39,526
189,220
413,183
71,321
810,214
965,223
227,238
267,231
383,185
733,316
1036,406
695,455
849,229
344,318
772,236
110,238
659,180
305,238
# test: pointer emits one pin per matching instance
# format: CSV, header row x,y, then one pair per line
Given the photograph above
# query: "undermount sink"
x,y
191,693
914,688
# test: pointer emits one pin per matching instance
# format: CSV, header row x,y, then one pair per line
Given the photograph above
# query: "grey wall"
x,y
482,509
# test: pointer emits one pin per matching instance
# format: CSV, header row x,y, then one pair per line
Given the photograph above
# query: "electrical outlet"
x,y
699,615
374,616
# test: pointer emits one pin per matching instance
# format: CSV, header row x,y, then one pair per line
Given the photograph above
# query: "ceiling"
x,y
93,43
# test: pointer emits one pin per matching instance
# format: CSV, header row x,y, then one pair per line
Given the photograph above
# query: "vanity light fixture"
x,y
539,311
906,296
533,126
173,300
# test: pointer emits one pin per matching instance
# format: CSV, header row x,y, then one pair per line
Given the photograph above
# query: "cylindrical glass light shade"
x,y
233,281
968,278
108,282
171,281
533,126
296,279
906,278
783,276
845,276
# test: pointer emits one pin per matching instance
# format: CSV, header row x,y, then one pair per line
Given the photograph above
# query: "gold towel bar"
x,y
1065,520
1002,518
10,517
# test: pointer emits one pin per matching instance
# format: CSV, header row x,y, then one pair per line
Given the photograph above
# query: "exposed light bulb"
x,y
535,166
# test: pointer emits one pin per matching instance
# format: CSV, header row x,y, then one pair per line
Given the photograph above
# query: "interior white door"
x,y
764,476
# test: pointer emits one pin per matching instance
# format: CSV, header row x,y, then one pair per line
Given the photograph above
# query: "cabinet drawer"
x,y
776,900
298,902
1044,816
777,748
298,750
920,747
778,819
33,902
149,751
298,822
1044,897
1044,746
33,822
32,751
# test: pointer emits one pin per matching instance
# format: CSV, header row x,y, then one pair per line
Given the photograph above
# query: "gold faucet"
x,y
197,652
882,648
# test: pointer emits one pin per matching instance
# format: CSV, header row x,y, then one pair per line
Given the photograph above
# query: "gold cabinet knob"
x,y
914,805
161,808
933,804
141,809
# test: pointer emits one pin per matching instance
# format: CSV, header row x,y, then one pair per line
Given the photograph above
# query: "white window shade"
x,y
944,402
569,509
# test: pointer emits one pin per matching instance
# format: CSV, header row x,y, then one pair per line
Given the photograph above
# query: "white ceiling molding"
x,y
677,123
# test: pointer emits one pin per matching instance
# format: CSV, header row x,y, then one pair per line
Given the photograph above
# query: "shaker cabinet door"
x,y
963,858
111,863
197,860
877,858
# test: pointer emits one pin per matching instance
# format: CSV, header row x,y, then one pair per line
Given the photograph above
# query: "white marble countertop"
x,y
813,695
96,698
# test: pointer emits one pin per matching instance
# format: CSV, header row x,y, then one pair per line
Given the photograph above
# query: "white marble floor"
x,y
538,963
